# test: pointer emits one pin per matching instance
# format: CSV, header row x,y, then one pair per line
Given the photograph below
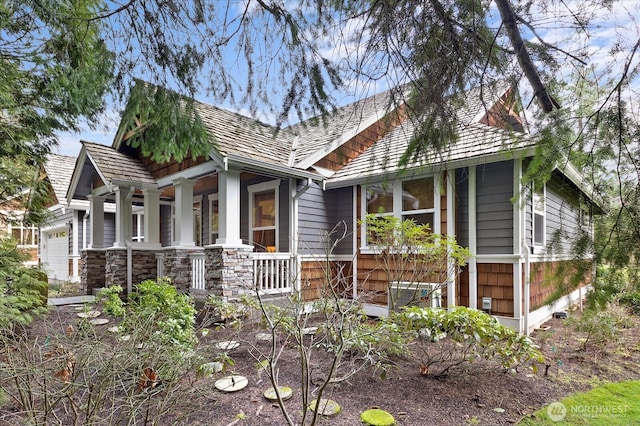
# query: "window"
x,y
413,199
197,220
214,218
538,217
25,235
263,199
137,228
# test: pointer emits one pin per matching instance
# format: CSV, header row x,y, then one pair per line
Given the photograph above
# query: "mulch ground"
x,y
475,396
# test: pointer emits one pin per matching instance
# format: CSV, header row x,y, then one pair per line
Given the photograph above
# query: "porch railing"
x,y
197,271
273,272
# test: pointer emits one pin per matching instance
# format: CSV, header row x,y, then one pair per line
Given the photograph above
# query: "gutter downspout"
x,y
294,231
129,251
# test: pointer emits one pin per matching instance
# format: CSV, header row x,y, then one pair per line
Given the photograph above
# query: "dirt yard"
x,y
474,397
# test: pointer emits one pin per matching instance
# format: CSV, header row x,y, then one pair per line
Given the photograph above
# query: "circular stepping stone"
x,y
263,337
89,314
326,407
115,329
99,321
125,338
285,393
227,345
377,417
210,368
231,383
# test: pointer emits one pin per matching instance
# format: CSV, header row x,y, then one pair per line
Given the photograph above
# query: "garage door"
x,y
56,255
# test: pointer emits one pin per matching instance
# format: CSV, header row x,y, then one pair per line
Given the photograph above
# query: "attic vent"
x,y
424,295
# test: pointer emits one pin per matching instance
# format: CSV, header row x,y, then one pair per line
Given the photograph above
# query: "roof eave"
x,y
75,176
433,167
234,161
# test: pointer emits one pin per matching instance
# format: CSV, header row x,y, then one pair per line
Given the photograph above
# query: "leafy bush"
x,y
112,303
232,313
23,290
409,253
459,336
172,314
601,328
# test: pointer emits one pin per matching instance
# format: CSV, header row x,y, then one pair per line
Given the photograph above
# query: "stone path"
x,y
71,300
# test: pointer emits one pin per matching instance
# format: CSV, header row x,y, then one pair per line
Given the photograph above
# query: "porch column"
x,y
473,271
123,215
183,229
451,231
229,208
96,215
151,217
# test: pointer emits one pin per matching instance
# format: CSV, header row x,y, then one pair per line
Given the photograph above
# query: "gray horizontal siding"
x,y
562,217
318,213
494,209
462,207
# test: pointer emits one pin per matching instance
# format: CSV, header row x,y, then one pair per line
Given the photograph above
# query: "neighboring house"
x,y
253,213
12,225
66,233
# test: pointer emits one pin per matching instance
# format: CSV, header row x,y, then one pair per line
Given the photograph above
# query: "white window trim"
x,y
20,225
137,235
397,207
272,185
539,247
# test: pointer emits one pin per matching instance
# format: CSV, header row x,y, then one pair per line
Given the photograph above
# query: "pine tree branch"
x,y
524,59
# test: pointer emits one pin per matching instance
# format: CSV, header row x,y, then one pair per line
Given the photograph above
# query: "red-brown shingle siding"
x,y
358,144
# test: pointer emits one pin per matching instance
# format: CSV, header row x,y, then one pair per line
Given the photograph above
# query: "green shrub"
x,y
455,337
23,290
112,303
601,328
172,314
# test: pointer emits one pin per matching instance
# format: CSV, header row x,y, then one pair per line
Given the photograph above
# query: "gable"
x,y
354,147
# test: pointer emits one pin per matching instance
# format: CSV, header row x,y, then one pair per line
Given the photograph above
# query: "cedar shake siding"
x,y
364,140
544,279
315,280
495,280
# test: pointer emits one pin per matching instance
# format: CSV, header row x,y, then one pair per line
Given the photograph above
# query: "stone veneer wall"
x,y
229,271
177,267
92,267
144,266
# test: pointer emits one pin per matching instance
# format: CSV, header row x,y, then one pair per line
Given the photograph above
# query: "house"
x,y
256,211
66,233
12,225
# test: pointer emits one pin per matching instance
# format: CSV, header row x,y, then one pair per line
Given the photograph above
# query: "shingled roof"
x,y
113,165
474,140
239,135
59,169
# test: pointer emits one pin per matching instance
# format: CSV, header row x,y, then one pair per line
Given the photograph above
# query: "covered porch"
x,y
208,230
